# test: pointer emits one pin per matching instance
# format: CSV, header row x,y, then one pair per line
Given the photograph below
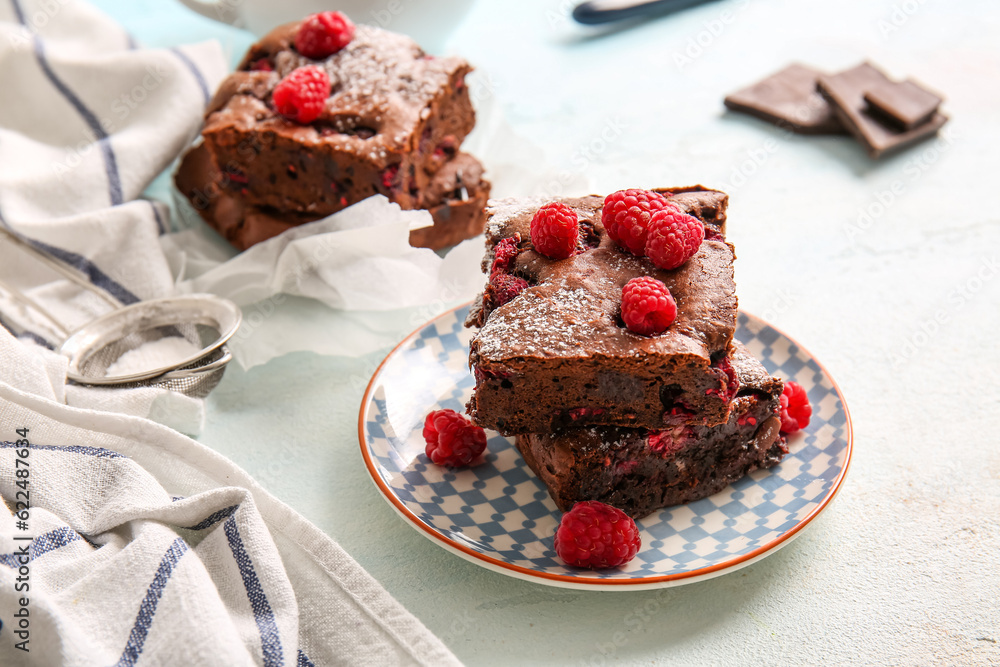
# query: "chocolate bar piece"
x,y
846,93
788,99
904,105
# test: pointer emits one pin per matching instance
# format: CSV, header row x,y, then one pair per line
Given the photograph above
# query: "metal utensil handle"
x,y
28,302
59,267
182,373
596,12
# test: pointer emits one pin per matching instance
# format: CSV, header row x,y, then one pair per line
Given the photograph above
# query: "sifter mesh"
x,y
95,363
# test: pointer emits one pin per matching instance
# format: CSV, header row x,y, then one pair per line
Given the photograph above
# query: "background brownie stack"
x,y
392,125
602,413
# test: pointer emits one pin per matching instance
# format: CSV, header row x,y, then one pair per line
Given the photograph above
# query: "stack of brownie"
x,y
602,413
392,125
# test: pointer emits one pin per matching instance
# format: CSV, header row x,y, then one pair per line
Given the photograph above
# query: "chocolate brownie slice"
x,y
457,205
552,351
639,471
394,117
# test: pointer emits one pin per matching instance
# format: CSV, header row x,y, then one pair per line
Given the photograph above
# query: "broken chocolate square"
x,y
788,99
846,93
904,105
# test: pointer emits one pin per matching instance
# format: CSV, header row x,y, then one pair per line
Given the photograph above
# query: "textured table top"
x,y
886,270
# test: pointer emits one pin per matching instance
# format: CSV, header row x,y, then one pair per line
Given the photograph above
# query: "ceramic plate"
x,y
499,515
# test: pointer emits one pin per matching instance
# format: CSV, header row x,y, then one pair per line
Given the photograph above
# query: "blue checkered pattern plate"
x,y
499,515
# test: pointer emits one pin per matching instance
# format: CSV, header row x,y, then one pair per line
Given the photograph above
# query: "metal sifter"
x,y
198,323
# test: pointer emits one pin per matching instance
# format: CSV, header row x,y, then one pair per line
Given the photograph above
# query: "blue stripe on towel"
x,y
41,545
89,269
214,518
51,540
104,141
72,449
183,57
30,335
262,612
304,660
81,263
159,218
144,619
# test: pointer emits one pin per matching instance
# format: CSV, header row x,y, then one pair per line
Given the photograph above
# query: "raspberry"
x,y
671,440
795,408
262,65
452,440
647,306
504,254
674,238
321,35
729,383
626,215
597,536
555,230
505,287
389,176
301,96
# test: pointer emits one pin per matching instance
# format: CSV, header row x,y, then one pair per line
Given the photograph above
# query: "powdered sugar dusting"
x,y
502,211
560,323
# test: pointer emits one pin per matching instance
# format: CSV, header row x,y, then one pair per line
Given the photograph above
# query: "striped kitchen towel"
x,y
123,542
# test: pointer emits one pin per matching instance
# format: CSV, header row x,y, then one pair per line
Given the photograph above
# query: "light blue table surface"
x,y
886,270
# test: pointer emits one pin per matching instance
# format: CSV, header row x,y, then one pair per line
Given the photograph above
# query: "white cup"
x,y
428,22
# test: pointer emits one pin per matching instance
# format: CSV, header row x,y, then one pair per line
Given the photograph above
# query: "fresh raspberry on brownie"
x,y
555,230
301,96
323,34
673,238
647,307
626,215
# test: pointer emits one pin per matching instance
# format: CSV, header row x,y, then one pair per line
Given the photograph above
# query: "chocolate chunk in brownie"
x,y
394,117
846,92
789,99
552,351
639,470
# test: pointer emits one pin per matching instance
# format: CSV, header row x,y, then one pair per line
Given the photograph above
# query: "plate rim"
x,y
584,583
